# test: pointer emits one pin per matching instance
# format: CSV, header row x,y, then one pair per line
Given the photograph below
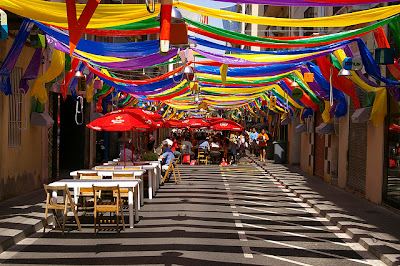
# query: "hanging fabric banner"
x,y
53,13
32,70
55,69
13,55
68,77
308,3
76,27
343,20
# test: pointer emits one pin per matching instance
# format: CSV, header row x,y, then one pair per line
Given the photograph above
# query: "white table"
x,y
152,173
157,164
102,173
130,184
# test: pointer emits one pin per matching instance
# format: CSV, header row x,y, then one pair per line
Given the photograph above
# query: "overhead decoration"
x,y
308,3
3,25
76,27
13,55
342,20
53,13
32,70
56,67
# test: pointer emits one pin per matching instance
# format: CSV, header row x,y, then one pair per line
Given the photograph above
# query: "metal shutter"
x,y
357,157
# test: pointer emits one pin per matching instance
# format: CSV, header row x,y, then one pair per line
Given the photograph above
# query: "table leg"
x,y
130,203
136,196
141,185
54,200
150,184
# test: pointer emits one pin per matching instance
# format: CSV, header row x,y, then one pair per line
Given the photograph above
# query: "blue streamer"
x,y
13,55
131,49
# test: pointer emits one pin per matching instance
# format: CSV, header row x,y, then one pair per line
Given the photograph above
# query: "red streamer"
x,y
68,77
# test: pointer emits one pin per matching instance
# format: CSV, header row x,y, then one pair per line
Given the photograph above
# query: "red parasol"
x,y
173,123
144,115
194,123
214,119
120,122
394,128
225,124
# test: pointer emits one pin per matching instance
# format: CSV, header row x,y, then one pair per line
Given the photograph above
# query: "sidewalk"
x,y
21,217
371,225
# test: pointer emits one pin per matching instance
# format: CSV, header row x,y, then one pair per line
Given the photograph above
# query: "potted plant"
x,y
150,157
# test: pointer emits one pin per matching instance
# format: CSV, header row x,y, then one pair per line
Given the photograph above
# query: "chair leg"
x,y
45,219
64,219
76,218
117,220
179,175
122,218
173,171
95,220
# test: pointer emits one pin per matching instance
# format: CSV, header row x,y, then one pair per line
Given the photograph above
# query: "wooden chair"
x,y
111,206
121,175
202,156
104,167
132,168
173,165
51,205
85,193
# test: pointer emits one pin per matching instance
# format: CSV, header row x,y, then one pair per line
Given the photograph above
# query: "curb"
x,y
29,230
381,251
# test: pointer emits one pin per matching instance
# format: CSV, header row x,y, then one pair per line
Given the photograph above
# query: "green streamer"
x,y
313,40
335,62
394,25
140,25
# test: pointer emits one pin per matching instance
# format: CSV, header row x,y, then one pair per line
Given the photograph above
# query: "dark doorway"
x,y
72,137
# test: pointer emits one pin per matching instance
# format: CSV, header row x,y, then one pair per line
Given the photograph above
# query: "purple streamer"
x,y
32,70
314,86
298,3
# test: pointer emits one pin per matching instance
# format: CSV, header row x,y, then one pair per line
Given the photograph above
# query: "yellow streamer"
x,y
224,71
56,67
106,15
343,20
326,117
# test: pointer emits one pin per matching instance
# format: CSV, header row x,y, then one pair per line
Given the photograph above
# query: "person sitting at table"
x,y
166,157
126,154
215,153
203,144
187,146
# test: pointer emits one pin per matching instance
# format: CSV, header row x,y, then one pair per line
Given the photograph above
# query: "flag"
x,y
203,19
229,24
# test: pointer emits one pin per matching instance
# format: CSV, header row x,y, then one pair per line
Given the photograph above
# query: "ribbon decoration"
x,y
76,27
53,13
13,54
223,71
55,69
308,3
343,20
32,70
68,77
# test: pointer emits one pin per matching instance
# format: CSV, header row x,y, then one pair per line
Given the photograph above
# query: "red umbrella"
x,y
143,114
214,119
173,123
120,122
225,124
394,128
194,123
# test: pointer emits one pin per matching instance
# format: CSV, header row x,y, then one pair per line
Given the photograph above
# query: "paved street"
x,y
218,215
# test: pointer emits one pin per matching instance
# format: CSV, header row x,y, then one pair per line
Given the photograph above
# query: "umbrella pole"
x,y
132,143
124,150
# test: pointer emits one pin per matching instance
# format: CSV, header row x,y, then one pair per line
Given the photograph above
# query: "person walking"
x,y
253,141
262,144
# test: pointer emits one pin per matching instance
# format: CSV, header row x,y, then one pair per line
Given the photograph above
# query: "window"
x,y
309,13
15,109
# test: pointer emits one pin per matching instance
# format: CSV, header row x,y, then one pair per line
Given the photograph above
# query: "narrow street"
x,y
217,215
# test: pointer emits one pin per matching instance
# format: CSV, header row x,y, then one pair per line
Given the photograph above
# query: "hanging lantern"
x,y
308,77
189,73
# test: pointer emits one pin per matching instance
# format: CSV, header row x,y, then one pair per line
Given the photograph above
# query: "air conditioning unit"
x,y
361,115
301,128
325,128
41,119
94,116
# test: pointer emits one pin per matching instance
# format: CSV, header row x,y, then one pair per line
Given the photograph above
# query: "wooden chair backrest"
x,y
123,191
67,200
104,167
87,192
132,168
97,190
